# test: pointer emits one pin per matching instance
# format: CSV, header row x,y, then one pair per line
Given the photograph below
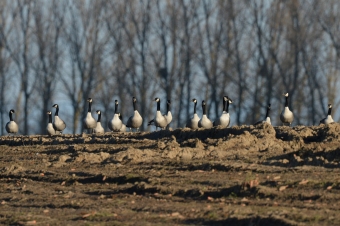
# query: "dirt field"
x,y
243,175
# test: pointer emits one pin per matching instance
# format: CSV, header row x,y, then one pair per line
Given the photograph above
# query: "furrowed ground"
x,y
243,175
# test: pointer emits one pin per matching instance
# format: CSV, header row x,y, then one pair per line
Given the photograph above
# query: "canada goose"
x,y
159,120
50,129
329,118
286,116
136,120
99,128
193,122
205,121
224,119
168,115
115,124
89,122
267,120
11,126
58,124
123,128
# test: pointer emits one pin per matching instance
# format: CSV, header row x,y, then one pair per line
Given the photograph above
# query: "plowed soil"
x,y
243,175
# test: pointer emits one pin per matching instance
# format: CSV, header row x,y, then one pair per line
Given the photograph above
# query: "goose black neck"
x,y
90,104
99,117
116,108
329,111
134,106
204,108
224,105
56,111
286,104
227,108
158,105
10,116
267,114
50,118
195,107
167,107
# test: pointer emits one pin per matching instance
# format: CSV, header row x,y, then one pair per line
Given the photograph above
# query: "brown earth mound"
x,y
244,175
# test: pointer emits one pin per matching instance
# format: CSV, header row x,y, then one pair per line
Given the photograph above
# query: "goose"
x,y
115,124
267,120
136,120
168,115
205,121
58,124
193,122
123,129
286,115
12,126
50,129
224,119
99,128
89,122
329,118
159,120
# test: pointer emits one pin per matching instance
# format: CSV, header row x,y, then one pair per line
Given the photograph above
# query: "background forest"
x,y
63,52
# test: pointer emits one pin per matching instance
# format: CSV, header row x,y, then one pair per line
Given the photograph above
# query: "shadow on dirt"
x,y
83,178
197,194
49,206
232,192
201,134
305,156
205,167
235,221
115,180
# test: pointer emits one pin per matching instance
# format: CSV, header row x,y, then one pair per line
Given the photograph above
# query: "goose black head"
x,y
89,100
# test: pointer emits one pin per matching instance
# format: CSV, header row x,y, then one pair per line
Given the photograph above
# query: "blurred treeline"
x,y
62,51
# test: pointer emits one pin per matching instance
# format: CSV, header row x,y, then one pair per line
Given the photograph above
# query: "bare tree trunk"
x,y
21,54
48,63
86,50
137,30
5,62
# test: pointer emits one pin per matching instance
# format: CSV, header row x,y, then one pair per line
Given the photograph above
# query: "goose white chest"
x,y
89,122
115,123
205,122
12,127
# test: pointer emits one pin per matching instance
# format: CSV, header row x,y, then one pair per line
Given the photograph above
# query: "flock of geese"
x,y
160,121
